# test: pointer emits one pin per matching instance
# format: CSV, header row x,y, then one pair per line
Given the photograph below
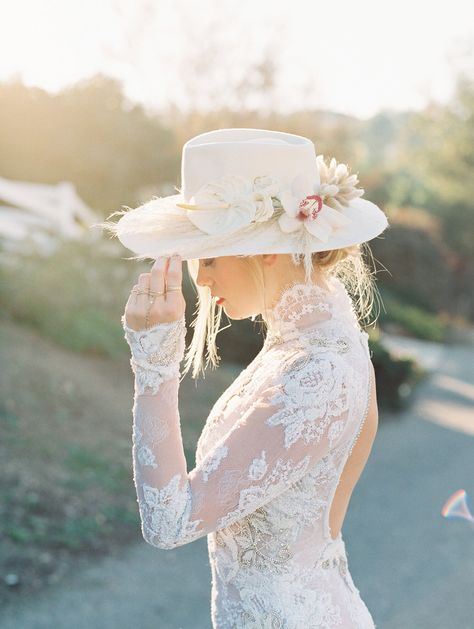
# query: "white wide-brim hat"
x,y
248,192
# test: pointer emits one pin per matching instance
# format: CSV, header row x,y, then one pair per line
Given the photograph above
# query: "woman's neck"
x,y
281,284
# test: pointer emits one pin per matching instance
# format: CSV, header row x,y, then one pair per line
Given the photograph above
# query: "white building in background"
x,y
40,216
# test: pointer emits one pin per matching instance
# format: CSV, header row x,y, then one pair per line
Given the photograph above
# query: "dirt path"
x,y
141,588
412,566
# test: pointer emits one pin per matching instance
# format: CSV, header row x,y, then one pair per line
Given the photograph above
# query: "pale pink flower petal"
x,y
301,187
336,218
288,224
289,203
320,228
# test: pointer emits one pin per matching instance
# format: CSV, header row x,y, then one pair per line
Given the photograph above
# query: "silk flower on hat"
x,y
304,212
225,206
233,202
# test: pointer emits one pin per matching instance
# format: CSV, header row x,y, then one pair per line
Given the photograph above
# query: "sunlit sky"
x,y
349,56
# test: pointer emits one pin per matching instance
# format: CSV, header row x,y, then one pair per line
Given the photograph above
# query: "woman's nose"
x,y
201,280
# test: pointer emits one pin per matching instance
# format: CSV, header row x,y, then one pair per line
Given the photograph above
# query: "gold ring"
x,y
146,292
154,294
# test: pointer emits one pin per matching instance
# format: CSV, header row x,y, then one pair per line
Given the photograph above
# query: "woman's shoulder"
x,y
335,342
318,369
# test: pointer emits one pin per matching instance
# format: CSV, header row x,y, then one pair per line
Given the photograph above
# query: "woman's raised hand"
x,y
165,303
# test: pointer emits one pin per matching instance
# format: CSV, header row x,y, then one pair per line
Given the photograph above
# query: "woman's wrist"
x,y
156,353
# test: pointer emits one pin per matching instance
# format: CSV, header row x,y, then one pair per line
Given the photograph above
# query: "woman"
x,y
266,227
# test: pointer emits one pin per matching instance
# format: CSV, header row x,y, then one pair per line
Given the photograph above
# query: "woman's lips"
x,y
220,301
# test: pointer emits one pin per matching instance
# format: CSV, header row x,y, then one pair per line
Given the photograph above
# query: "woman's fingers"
x,y
166,273
143,311
157,276
129,307
174,278
138,302
143,281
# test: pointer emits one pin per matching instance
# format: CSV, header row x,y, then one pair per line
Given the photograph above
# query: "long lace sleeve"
x,y
292,423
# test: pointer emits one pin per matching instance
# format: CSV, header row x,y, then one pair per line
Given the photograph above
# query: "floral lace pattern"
x,y
267,463
258,467
156,353
213,463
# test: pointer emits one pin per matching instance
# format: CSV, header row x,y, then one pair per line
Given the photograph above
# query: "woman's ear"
x,y
269,258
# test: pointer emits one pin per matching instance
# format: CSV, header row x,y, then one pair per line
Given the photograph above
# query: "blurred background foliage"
x,y
415,165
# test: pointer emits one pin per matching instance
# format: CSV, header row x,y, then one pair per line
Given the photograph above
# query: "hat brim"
x,y
161,228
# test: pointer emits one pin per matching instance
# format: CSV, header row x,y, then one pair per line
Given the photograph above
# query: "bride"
x,y
266,229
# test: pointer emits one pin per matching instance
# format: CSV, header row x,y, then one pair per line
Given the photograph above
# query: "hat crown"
x,y
248,153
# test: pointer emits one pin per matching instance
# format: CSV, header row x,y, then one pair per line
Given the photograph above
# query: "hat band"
x,y
232,202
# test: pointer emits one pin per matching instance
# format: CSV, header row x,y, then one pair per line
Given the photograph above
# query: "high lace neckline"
x,y
302,307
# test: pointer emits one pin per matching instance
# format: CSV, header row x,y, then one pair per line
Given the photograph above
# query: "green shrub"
x,y
418,268
413,320
396,378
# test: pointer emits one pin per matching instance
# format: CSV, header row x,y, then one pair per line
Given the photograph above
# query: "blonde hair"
x,y
347,264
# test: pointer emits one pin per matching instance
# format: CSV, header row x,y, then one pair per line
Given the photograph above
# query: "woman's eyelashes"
x,y
208,261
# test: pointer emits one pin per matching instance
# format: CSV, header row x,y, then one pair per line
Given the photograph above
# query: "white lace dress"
x,y
267,463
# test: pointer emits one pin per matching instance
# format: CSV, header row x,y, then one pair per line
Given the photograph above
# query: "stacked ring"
x,y
152,294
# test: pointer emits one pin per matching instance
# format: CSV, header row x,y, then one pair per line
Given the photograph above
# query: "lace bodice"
x,y
267,462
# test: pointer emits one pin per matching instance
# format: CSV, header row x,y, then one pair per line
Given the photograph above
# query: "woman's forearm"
x,y
159,462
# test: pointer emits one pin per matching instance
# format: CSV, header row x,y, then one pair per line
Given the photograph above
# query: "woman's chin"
x,y
229,312
235,314
238,316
